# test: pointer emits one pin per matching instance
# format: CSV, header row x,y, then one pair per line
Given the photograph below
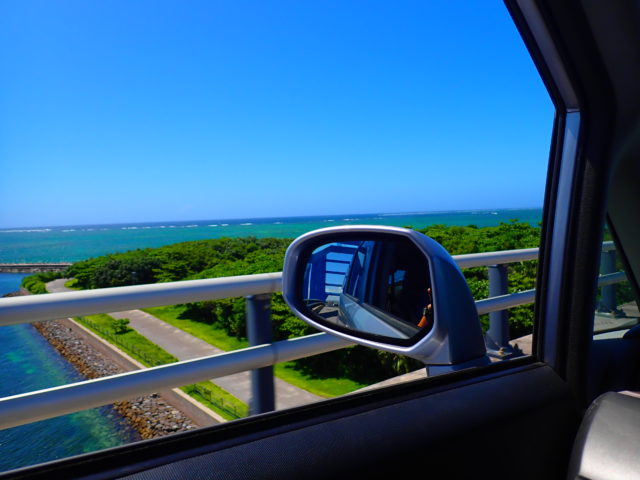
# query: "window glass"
x,y
152,142
616,307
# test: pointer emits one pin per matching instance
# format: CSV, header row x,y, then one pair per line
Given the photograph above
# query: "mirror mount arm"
x,y
433,370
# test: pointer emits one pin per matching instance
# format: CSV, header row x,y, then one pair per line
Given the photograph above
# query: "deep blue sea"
x,y
29,363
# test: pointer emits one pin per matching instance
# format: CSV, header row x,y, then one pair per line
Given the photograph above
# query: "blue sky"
x,y
132,111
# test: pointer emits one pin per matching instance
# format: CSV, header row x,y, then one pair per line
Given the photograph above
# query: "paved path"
x,y
185,346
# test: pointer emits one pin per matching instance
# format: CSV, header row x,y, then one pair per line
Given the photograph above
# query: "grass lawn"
x,y
143,350
325,387
208,333
217,399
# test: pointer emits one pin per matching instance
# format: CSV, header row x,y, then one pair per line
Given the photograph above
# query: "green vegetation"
x,y
506,236
36,283
222,322
175,315
127,339
199,259
217,399
326,387
72,284
121,326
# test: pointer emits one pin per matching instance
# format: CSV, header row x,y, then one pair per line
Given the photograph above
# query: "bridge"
x,y
33,267
258,358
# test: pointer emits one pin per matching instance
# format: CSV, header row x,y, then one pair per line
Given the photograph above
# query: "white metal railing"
x,y
35,308
484,259
52,402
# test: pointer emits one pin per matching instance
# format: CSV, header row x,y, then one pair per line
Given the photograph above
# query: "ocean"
x,y
29,363
78,242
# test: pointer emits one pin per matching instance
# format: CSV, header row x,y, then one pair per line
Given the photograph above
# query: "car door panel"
x,y
505,421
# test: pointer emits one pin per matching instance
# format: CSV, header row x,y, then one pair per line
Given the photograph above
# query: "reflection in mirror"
x,y
379,287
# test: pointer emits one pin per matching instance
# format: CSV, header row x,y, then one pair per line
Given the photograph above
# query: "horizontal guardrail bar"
x,y
35,308
504,302
484,259
611,278
525,297
34,406
52,402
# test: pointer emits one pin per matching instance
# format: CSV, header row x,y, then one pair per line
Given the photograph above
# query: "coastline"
x,y
151,416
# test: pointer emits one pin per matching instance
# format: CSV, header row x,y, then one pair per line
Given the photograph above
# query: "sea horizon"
x,y
71,243
265,219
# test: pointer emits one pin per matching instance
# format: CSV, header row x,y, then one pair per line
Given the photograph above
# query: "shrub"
x,y
36,283
121,326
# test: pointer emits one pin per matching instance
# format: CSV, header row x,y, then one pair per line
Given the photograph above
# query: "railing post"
x,y
497,337
258,310
608,301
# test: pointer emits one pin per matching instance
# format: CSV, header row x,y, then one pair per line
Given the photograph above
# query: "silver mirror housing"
x,y
388,288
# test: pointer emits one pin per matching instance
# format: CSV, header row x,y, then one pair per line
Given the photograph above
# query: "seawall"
x,y
151,415
33,267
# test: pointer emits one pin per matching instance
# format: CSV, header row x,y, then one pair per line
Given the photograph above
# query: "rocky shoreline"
x,y
150,416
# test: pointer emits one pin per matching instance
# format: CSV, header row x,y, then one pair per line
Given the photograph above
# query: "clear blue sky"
x,y
134,110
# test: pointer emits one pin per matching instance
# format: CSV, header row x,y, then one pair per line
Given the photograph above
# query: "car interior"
x,y
569,410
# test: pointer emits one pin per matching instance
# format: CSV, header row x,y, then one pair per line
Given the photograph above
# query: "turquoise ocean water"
x,y
72,243
29,363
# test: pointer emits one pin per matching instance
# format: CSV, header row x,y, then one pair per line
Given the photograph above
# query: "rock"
x,y
150,416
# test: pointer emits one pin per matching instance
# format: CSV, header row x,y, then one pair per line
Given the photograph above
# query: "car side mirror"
x,y
388,288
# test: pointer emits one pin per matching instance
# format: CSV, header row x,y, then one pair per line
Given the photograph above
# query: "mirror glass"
x,y
379,287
